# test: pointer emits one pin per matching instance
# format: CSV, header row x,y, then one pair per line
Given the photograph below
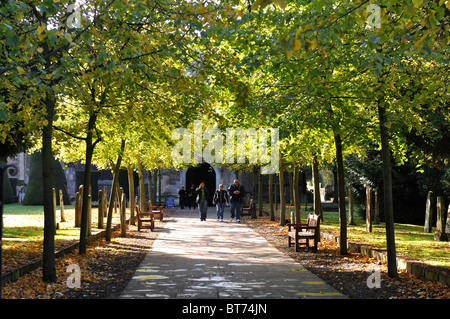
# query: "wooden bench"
x,y
307,232
156,210
145,217
247,209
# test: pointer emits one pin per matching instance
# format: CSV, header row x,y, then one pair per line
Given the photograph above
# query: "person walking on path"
x,y
236,192
182,193
202,194
220,198
191,197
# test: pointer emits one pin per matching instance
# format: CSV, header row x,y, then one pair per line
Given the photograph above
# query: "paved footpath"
x,y
196,259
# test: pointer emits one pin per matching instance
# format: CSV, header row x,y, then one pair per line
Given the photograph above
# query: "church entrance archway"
x,y
202,173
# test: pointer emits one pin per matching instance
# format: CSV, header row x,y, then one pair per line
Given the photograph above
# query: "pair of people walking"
x,y
221,197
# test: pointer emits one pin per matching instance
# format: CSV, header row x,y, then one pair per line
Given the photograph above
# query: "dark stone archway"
x,y
202,173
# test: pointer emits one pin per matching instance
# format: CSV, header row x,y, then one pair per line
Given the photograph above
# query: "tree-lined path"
x,y
195,259
354,87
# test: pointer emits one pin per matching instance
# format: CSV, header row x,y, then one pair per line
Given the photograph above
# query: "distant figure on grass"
x,y
182,193
236,192
202,200
220,198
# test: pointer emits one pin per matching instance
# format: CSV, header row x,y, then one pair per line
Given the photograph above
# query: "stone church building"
x,y
170,180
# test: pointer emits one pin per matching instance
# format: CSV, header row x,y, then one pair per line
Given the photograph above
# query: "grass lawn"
x,y
23,232
410,240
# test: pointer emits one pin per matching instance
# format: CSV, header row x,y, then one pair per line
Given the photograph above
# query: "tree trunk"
x,y
89,213
141,188
159,187
87,182
101,212
341,195
317,201
54,207
272,211
296,193
48,256
254,179
131,192
260,202
282,197
388,198
123,215
150,187
113,192
155,186
291,188
368,209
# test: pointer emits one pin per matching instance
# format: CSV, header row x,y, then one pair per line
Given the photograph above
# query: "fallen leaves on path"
x,y
349,274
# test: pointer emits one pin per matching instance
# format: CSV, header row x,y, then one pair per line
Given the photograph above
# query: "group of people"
x,y
199,196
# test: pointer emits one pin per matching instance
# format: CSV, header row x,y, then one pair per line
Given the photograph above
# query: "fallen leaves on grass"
x,y
105,270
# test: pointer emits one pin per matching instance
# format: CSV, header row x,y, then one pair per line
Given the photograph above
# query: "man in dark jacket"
x,y
220,198
202,196
191,197
236,192
182,193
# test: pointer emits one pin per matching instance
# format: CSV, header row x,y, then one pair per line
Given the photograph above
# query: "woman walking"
x,y
202,200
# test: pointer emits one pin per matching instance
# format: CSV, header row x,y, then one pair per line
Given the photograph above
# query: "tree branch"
x,y
68,133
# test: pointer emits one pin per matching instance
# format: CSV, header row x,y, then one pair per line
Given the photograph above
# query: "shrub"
x,y
34,192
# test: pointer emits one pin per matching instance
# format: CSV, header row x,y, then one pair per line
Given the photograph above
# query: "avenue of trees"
x,y
108,82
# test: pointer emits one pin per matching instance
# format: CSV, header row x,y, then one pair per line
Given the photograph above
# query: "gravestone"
x,y
440,234
428,213
368,210
447,224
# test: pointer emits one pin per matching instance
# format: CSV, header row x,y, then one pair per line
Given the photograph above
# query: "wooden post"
x,y
123,218
77,213
350,207
429,213
376,220
54,208
368,210
78,206
100,210
89,221
61,206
